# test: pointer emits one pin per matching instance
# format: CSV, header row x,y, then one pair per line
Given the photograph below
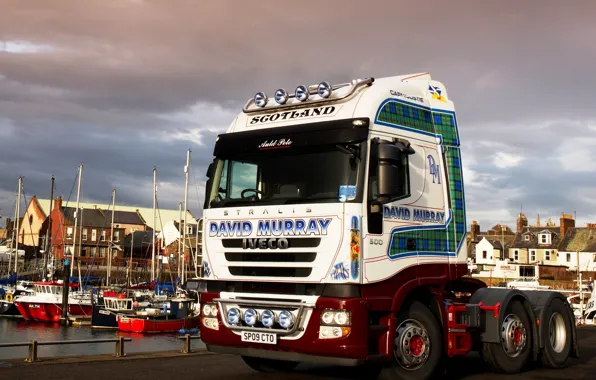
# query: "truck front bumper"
x,y
304,345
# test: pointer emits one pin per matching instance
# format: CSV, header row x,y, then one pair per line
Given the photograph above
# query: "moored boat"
x,y
153,320
45,304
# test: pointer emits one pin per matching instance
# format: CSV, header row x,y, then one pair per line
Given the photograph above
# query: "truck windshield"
x,y
329,173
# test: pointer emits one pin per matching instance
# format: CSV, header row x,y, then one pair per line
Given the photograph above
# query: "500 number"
x,y
376,241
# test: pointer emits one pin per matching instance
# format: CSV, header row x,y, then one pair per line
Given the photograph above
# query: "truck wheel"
x,y
269,365
418,346
557,343
513,352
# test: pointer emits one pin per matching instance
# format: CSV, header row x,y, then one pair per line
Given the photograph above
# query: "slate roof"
x,y
580,239
142,239
533,243
496,241
124,217
88,217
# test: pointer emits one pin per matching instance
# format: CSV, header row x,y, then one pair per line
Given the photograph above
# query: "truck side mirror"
x,y
393,171
211,170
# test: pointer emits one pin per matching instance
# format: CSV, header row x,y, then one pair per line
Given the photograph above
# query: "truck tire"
x,y
269,365
557,337
418,346
512,354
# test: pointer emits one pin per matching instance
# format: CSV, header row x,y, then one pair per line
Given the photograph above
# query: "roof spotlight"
x,y
281,96
324,89
302,93
260,99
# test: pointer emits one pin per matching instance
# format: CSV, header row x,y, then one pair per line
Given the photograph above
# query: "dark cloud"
x,y
129,84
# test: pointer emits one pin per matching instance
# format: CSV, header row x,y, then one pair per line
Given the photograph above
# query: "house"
x,y
32,221
93,233
579,247
498,232
126,220
539,244
490,249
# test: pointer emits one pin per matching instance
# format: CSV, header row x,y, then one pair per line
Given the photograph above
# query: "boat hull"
x,y
49,312
156,325
103,319
8,309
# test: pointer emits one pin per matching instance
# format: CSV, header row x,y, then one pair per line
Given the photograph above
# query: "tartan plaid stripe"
x,y
443,240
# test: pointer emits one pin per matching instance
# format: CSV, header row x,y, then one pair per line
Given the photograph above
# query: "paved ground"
x,y
171,365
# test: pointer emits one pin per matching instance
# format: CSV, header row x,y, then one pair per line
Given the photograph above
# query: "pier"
x,y
198,363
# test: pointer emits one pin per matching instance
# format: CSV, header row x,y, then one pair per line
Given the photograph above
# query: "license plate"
x,y
259,337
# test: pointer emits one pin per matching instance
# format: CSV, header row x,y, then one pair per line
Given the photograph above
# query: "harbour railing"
x,y
32,356
118,351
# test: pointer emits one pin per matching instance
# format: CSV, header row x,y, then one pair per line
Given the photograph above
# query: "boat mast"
x,y
18,215
179,241
48,234
74,238
154,224
185,213
111,249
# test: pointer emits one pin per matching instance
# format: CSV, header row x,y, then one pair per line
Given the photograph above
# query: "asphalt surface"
x,y
199,365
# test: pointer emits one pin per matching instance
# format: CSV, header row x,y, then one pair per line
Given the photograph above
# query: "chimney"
x,y
474,230
9,224
58,203
590,225
566,222
522,222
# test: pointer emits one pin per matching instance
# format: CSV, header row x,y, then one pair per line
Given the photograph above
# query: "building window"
x,y
484,254
189,230
93,251
93,235
527,238
69,233
544,238
532,256
102,252
84,234
547,255
116,235
569,257
516,255
103,235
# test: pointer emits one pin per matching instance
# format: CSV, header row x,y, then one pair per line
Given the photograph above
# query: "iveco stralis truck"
x,y
335,230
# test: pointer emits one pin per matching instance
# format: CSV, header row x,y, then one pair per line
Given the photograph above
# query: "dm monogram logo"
x,y
434,170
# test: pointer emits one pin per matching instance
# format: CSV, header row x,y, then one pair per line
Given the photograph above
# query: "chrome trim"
x,y
311,90
301,306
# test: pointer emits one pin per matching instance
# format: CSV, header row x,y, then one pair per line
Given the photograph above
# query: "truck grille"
x,y
249,262
270,272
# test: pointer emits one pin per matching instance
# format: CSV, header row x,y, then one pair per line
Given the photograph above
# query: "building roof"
x,y
534,233
579,239
142,239
88,217
496,241
125,217
162,216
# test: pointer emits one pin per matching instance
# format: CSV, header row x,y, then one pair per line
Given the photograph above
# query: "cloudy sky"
x,y
125,85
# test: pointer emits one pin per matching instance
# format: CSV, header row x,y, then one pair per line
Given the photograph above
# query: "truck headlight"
x,y
336,318
302,93
285,319
209,310
234,316
250,317
260,99
267,318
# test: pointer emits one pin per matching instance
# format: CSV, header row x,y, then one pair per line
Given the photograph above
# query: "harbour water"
x,y
17,330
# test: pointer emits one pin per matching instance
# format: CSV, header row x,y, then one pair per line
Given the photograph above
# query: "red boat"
x,y
179,317
46,303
